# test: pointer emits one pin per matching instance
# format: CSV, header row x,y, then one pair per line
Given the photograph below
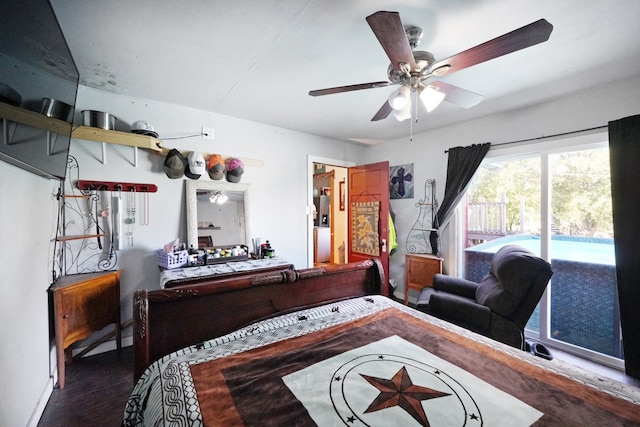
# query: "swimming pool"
x,y
567,248
584,303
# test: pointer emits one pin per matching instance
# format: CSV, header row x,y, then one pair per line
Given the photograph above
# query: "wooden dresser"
x,y
83,304
419,272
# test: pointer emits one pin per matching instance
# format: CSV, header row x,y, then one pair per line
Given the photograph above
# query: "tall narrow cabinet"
x,y
419,272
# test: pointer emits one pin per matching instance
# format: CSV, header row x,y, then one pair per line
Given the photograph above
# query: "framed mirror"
x,y
213,221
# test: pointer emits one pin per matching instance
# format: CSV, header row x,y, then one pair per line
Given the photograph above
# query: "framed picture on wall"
x,y
401,181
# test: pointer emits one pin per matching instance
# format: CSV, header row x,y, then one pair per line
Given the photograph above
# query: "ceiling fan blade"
x,y
458,96
383,112
527,36
389,30
349,88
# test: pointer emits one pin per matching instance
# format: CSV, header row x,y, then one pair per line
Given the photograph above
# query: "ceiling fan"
x,y
411,68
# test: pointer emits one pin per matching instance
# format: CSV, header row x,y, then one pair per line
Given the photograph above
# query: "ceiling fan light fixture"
x,y
404,113
219,197
222,198
409,68
400,98
431,97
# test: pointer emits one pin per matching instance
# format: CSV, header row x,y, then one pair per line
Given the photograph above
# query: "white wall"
x,y
27,218
278,189
581,110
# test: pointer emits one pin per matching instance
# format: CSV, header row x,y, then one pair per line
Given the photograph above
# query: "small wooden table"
x,y
419,272
83,304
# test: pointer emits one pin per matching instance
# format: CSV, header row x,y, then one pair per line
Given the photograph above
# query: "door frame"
x,y
309,210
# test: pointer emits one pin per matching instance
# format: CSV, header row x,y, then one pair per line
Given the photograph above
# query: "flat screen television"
x,y
36,71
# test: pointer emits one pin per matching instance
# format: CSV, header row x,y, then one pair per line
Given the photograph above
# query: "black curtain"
x,y
461,166
624,158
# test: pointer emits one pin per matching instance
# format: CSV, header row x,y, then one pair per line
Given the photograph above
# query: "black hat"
x,y
174,164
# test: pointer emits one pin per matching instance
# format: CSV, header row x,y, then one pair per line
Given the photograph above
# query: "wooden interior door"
x,y
370,183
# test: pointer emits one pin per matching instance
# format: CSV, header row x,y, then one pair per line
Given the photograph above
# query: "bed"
x,y
325,346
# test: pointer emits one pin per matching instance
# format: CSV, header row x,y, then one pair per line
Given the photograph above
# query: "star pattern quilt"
x,y
370,361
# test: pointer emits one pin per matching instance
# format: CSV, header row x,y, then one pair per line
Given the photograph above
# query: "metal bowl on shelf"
x,y
9,95
56,109
98,119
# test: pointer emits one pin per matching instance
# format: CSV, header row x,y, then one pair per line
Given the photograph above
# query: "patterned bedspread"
x,y
213,270
370,361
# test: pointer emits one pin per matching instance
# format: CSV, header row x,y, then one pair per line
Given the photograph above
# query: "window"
x,y
556,202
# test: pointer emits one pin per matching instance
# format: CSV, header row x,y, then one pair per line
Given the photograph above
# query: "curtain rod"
x,y
547,136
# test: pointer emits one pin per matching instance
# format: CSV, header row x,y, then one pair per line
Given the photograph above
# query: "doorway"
x,y
329,214
333,226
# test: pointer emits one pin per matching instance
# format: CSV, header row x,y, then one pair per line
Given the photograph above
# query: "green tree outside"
x,y
581,192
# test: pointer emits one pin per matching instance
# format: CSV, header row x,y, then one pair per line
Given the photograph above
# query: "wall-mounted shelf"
x,y
139,141
31,118
38,120
116,137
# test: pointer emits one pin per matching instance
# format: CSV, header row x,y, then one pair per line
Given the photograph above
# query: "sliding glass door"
x,y
556,203
583,305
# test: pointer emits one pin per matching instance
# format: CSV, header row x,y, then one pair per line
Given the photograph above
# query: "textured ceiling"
x,y
257,59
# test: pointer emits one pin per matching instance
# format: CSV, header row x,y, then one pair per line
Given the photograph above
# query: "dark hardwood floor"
x,y
96,390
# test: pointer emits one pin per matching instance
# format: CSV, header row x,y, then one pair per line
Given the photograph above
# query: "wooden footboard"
x,y
170,319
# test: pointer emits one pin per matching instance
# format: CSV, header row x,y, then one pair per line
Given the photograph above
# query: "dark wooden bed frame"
x,y
169,319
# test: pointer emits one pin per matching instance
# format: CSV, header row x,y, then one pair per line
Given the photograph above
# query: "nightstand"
x,y
83,304
419,272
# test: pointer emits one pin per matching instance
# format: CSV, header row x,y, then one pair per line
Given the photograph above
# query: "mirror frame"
x,y
191,198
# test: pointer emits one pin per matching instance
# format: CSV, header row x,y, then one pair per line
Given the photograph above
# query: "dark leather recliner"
x,y
500,305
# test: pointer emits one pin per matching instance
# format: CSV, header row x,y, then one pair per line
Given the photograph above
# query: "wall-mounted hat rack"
x,y
116,186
